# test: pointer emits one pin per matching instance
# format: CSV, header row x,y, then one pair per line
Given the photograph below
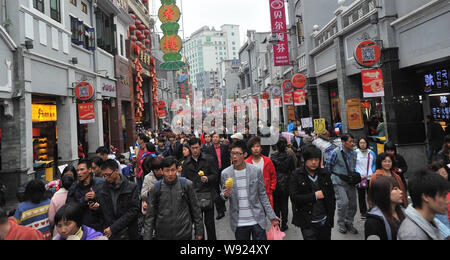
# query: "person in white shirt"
x,y
365,166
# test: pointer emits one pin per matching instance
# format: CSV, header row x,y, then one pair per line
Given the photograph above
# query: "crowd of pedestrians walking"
x,y
175,187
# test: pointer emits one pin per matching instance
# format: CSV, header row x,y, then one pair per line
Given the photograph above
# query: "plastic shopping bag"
x,y
275,233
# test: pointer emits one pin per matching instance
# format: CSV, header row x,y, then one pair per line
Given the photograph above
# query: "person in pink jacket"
x,y
265,164
59,199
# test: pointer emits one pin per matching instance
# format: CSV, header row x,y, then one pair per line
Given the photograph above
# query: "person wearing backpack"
x,y
173,207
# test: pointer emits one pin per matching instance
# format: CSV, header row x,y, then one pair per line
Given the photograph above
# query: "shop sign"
x,y
109,90
279,29
299,98
299,81
436,81
367,53
354,114
84,91
86,113
287,86
161,104
276,91
43,113
372,83
265,95
288,98
440,107
319,126
277,102
162,113
291,112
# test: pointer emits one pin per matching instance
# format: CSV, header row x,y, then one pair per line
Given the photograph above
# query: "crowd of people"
x,y
175,187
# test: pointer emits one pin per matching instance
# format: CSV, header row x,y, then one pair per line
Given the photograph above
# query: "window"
x,y
39,4
74,2
55,10
121,45
84,7
105,31
82,35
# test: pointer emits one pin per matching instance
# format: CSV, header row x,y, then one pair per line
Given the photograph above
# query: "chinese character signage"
x,y
288,99
278,18
86,113
169,14
440,108
354,114
43,113
436,81
299,98
372,83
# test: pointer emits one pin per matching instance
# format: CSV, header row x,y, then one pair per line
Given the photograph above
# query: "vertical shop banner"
x,y
278,19
299,98
86,113
372,82
277,102
354,114
288,99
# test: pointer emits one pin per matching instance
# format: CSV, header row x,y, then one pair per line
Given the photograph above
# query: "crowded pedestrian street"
x,y
226,121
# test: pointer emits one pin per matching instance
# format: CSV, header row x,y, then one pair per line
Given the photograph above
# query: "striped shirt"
x,y
246,217
34,215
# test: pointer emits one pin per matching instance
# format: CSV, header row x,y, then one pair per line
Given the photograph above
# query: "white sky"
x,y
249,14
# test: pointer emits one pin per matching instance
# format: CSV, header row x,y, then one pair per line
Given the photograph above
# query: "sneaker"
x,y
351,229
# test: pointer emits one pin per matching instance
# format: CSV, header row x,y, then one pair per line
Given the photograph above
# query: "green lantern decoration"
x,y
169,14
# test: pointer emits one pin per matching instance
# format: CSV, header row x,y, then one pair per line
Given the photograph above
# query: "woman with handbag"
x,y
365,166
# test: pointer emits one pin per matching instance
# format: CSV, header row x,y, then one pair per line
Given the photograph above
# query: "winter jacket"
x,y
377,225
191,168
303,197
224,156
415,227
91,218
172,211
120,206
149,181
88,234
269,174
284,166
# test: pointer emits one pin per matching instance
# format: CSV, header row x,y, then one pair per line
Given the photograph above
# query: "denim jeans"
x,y
255,232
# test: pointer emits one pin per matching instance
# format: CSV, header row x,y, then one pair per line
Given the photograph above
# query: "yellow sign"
x,y
354,114
319,126
43,113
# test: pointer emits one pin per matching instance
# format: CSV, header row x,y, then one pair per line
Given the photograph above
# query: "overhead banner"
x,y
372,82
299,98
279,29
86,113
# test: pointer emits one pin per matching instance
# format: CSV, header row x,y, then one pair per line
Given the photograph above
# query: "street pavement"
x,y
223,230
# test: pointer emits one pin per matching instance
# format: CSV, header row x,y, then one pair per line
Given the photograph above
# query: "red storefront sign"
x,y
299,98
84,91
288,98
299,81
372,83
287,86
86,113
278,19
367,53
162,113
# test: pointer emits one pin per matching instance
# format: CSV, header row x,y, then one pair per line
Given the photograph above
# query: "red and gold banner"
x,y
288,98
86,113
299,98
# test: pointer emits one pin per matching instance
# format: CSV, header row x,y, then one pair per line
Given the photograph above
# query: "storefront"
x,y
45,138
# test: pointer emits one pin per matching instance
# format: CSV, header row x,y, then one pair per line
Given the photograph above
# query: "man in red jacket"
x,y
10,230
265,164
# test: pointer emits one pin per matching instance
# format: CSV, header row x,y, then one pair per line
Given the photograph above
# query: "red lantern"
x,y
147,32
141,27
147,41
133,38
132,27
148,51
138,33
141,37
137,22
138,43
143,47
133,16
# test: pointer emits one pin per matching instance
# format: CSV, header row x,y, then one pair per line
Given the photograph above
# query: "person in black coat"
x,y
205,185
119,204
85,191
313,197
297,143
399,165
284,166
225,162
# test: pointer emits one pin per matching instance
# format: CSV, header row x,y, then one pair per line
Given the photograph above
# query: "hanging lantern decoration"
x,y
169,14
147,32
138,33
133,38
137,22
133,16
132,28
141,37
141,27
147,42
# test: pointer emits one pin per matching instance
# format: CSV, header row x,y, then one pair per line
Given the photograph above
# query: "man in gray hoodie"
x,y
428,192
